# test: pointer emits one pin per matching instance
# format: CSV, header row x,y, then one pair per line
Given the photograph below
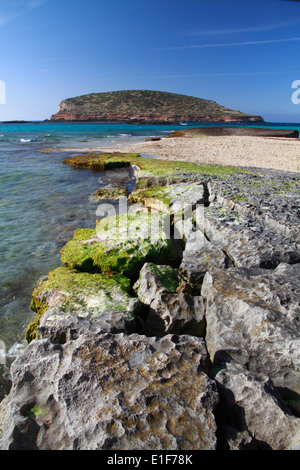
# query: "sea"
x,y
42,203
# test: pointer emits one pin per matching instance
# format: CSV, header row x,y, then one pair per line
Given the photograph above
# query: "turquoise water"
x,y
42,202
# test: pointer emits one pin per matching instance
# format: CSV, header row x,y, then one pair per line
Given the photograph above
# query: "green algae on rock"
x,y
173,198
155,278
111,191
120,244
68,292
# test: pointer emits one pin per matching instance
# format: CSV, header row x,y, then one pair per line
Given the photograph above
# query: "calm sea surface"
x,y
42,202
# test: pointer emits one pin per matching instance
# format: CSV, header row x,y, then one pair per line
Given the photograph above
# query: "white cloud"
x,y
13,9
228,44
251,29
227,74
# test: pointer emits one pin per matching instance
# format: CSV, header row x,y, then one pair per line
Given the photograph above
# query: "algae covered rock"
x,y
173,198
155,279
111,191
143,393
69,297
121,244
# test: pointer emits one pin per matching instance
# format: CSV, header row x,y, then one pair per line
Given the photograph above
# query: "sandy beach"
x,y
260,152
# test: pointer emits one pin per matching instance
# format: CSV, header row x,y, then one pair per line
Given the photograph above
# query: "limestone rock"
x,y
155,279
253,317
69,297
199,257
143,393
246,241
111,191
251,405
173,198
176,314
121,244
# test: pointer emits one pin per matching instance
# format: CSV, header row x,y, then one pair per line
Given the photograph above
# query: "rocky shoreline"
x,y
172,325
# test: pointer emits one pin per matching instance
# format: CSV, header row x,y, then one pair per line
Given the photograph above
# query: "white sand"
x,y
260,152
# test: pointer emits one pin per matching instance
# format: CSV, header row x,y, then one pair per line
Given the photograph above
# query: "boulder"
x,y
176,314
246,241
71,297
155,279
121,244
252,318
143,393
245,398
198,258
111,191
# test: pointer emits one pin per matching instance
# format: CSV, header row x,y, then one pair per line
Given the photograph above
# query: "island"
x,y
146,107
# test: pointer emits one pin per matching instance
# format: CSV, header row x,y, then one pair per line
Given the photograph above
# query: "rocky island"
x,y
185,338
146,107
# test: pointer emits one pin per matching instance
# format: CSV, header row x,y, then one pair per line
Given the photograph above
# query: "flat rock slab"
x,y
143,393
69,297
245,240
253,317
269,197
228,130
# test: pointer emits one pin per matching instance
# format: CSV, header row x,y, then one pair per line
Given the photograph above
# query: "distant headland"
x,y
146,107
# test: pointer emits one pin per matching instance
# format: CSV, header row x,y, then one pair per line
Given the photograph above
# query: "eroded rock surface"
x,y
194,345
112,392
253,317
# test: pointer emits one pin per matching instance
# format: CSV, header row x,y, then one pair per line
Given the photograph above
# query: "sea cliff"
x,y
171,325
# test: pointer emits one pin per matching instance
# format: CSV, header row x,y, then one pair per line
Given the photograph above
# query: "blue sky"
x,y
243,54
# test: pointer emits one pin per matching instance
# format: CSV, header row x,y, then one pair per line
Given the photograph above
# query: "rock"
x,y
121,244
155,279
239,131
252,318
244,399
174,198
200,257
111,191
246,241
143,393
70,297
158,336
269,197
176,314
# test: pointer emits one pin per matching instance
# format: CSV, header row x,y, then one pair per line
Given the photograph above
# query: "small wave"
x,y
25,140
